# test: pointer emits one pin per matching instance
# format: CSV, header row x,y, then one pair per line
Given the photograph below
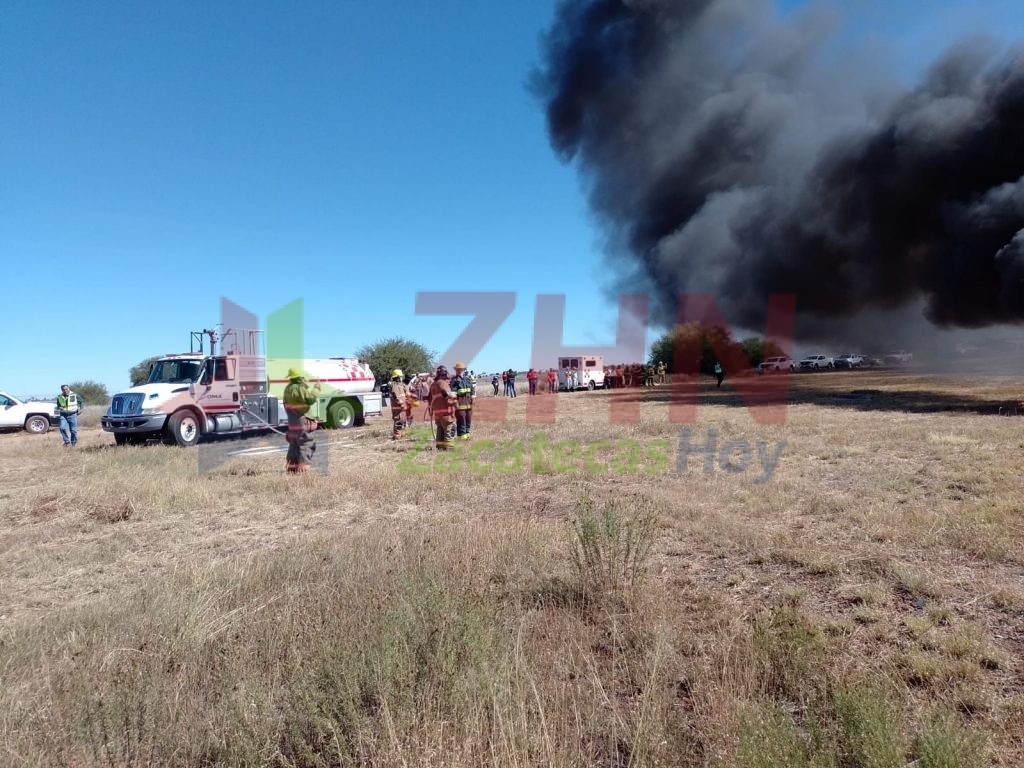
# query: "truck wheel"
x,y
591,386
120,439
182,429
341,414
37,425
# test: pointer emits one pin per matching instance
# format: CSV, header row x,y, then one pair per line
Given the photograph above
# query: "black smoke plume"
x,y
728,154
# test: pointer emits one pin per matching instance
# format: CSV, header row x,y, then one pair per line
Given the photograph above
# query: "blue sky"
x,y
155,157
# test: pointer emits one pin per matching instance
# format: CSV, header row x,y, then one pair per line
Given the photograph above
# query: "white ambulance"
x,y
589,372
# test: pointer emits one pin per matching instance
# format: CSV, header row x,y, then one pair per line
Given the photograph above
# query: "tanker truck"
x,y
234,390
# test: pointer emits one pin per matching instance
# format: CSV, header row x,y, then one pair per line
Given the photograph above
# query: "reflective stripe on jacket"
x,y
464,389
68,403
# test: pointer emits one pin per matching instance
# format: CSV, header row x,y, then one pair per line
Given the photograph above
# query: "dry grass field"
x,y
575,601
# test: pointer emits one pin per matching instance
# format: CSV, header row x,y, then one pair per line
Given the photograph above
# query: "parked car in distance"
x,y
816,362
33,416
849,360
774,364
899,358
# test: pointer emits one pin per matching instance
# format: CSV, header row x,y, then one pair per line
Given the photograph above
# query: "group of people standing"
x,y
534,379
508,382
635,375
449,402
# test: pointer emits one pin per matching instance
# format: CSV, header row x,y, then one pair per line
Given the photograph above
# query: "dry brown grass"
x,y
865,605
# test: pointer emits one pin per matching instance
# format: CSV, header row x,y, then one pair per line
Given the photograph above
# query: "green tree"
x,y
91,392
698,345
757,350
139,373
384,356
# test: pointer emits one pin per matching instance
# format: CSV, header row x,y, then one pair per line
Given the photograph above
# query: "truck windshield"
x,y
175,371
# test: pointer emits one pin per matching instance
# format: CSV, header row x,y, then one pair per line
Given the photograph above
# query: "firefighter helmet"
x,y
293,374
460,366
397,374
442,372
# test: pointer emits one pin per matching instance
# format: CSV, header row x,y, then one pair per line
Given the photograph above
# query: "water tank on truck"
x,y
347,397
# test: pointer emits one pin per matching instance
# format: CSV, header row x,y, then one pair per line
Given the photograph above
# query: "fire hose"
x,y
428,412
262,421
283,432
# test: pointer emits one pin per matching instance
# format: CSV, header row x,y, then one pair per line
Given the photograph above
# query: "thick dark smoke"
x,y
726,157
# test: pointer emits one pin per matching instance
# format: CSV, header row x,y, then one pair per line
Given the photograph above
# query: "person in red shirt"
x,y
531,377
552,381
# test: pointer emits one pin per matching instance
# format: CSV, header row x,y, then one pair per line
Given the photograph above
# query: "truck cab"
x,y
191,394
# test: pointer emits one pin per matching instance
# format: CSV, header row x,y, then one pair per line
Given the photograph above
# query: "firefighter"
x,y
411,401
402,401
442,407
298,397
464,388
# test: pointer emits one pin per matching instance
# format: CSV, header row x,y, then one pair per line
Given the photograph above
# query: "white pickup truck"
x,y
33,416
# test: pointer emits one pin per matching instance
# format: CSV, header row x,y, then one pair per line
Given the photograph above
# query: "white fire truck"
x,y
228,392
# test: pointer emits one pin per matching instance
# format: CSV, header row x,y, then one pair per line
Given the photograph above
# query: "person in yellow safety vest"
x,y
298,397
68,407
442,407
464,388
402,402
